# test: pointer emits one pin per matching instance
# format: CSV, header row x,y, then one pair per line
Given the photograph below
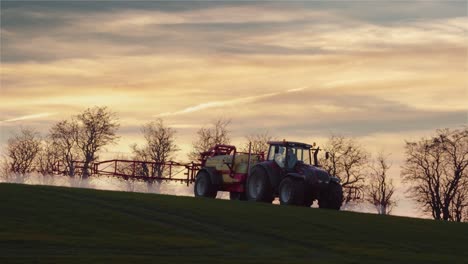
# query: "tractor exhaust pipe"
x,y
248,161
315,156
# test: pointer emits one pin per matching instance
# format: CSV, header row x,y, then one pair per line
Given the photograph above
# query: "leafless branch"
x,y
217,133
436,168
348,161
380,189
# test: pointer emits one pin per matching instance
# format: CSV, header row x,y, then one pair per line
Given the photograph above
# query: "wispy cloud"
x,y
26,117
224,103
152,59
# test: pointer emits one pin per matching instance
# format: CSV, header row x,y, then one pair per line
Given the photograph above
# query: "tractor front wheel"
x,y
291,192
308,198
203,186
332,198
237,196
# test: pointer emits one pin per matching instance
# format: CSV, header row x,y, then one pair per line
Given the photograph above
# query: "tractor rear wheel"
x,y
237,196
332,198
291,192
258,186
203,186
308,198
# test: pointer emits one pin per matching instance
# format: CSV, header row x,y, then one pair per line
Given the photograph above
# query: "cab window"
x,y
272,151
278,154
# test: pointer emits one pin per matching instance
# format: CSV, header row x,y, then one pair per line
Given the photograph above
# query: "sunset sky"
x,y
379,71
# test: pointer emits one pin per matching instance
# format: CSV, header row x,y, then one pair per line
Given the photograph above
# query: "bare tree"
x,y
458,210
159,146
380,189
347,161
259,142
5,172
218,133
22,150
97,128
49,157
437,169
63,136
465,215
455,146
423,169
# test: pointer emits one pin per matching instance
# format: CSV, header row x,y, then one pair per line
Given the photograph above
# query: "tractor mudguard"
x,y
296,176
314,175
215,177
335,179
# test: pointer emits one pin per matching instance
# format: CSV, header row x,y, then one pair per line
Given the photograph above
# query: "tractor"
x,y
286,172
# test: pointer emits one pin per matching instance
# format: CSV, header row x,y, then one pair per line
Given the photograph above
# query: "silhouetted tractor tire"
x,y
237,196
308,198
332,198
258,186
291,192
203,186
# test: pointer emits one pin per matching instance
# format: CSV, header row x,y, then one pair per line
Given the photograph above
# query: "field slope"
x,y
40,224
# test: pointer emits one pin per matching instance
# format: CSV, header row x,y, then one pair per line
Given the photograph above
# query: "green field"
x,y
40,224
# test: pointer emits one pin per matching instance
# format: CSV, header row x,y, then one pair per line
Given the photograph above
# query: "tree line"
x,y
435,168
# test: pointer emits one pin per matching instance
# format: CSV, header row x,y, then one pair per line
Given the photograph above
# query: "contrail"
x,y
27,117
213,104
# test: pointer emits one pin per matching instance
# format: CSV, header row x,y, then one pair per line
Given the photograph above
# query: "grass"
x,y
41,224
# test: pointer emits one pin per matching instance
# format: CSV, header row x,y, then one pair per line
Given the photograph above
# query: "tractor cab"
x,y
288,154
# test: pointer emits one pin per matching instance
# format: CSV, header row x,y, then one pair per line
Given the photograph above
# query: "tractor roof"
x,y
290,144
